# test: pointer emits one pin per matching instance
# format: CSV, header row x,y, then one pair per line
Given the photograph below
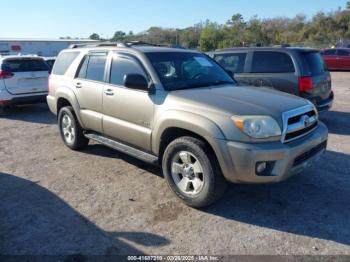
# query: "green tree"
x,y
94,36
118,36
211,36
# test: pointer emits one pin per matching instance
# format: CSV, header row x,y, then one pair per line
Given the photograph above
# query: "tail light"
x,y
6,74
305,84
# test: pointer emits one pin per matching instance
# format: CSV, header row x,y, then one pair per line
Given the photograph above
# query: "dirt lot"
x,y
99,201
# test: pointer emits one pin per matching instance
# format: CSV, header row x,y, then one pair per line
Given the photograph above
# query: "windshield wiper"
x,y
220,82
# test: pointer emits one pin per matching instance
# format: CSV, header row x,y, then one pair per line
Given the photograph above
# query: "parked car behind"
x,y
298,71
23,80
50,61
337,58
179,109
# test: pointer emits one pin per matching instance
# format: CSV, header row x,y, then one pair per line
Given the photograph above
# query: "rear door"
x,y
89,84
274,69
343,59
330,58
236,63
30,75
314,66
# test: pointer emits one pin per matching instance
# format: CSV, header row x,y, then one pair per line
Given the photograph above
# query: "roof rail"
x,y
282,45
115,44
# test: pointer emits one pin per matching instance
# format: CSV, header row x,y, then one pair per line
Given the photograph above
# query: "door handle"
x,y
78,85
109,92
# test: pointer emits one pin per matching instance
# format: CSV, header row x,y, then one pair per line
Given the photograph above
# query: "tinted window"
x,y
314,63
50,62
183,70
93,67
24,65
343,53
233,62
63,61
272,62
83,67
123,65
329,52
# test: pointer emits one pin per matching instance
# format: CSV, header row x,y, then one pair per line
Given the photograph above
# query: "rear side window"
x,y
343,53
63,61
272,62
233,62
313,63
123,65
24,65
93,67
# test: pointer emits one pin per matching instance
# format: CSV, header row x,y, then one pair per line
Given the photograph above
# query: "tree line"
x,y
323,29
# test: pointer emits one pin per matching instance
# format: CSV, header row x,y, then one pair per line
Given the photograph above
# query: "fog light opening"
x,y
261,167
264,168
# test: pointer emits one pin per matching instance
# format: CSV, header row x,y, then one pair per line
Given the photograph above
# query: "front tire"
x,y
192,172
71,132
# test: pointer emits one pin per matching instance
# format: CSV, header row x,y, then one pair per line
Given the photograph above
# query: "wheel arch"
x,y
66,97
177,124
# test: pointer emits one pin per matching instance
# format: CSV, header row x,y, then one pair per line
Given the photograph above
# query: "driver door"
x,y
127,113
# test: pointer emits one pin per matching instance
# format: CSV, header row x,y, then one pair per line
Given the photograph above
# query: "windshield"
x,y
181,70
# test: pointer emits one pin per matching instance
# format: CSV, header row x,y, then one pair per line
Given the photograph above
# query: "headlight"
x,y
257,126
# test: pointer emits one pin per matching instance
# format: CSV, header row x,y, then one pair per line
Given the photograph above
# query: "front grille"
x,y
306,156
298,123
296,119
293,135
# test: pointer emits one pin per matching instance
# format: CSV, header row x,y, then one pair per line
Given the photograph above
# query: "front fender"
x,y
181,119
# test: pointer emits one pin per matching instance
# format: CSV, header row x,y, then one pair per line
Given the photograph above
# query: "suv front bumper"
x,y
238,161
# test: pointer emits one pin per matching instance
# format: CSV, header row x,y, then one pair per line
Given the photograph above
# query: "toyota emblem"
x,y
306,120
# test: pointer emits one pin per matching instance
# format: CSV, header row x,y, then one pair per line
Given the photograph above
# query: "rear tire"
x,y
192,172
71,132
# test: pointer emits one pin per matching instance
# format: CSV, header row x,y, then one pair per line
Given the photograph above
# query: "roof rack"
x,y
115,44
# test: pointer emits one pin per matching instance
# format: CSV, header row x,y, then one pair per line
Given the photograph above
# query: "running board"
x,y
141,155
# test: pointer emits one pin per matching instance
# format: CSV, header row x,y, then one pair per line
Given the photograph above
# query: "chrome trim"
x,y
292,113
305,134
300,125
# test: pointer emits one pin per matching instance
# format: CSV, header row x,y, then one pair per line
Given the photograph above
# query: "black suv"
x,y
298,71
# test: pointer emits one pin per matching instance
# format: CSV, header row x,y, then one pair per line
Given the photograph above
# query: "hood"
x,y
237,100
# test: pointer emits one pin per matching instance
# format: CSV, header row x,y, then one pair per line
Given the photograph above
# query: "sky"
x,y
81,18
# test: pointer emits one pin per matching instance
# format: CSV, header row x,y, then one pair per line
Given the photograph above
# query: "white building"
x,y
41,47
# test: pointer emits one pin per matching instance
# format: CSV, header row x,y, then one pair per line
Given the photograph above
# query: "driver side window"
x,y
123,65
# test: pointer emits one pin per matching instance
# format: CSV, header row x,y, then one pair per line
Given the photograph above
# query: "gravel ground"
x,y
55,201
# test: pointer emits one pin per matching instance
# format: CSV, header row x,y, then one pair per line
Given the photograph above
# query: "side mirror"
x,y
136,81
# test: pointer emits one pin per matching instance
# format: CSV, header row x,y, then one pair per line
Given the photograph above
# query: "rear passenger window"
x,y
123,65
93,67
63,61
233,62
272,62
343,53
329,52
